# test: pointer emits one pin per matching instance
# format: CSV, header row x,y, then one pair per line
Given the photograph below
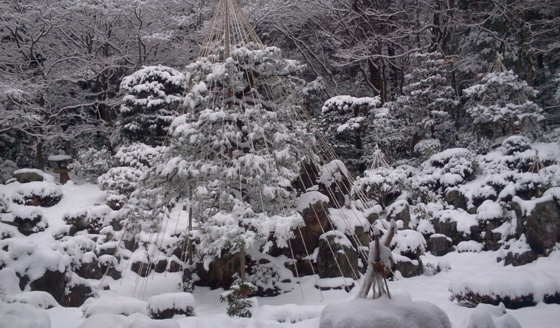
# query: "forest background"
x,y
427,61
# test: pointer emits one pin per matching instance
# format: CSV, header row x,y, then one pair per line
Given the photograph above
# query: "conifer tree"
x,y
236,151
502,100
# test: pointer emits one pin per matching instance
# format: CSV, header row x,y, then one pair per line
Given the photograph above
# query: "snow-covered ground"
x,y
301,307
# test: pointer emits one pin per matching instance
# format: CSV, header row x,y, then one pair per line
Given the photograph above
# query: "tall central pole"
x,y
227,31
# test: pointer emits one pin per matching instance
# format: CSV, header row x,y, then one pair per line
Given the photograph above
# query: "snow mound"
x,y
383,313
23,316
289,312
490,316
113,305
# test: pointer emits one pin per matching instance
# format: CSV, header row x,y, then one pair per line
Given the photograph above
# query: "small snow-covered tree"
x,y
237,150
429,100
502,100
424,111
153,94
344,123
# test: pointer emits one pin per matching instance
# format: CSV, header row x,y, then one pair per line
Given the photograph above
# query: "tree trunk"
x,y
39,156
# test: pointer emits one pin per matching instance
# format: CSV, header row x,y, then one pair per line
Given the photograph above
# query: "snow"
x,y
23,316
113,305
310,198
301,304
490,316
383,313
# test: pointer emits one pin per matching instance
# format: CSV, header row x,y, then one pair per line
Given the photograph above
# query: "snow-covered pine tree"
x,y
429,100
152,96
501,103
425,111
344,122
236,151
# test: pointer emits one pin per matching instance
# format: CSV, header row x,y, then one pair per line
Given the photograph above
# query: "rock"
x,y
449,229
90,269
161,266
517,259
439,244
316,219
399,210
52,282
334,181
541,224
407,267
220,272
77,295
175,265
28,175
336,254
142,269
456,198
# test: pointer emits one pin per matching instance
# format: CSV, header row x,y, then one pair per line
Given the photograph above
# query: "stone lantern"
x,y
61,162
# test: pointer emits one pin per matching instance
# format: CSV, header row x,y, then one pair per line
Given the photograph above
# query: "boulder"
x,y
539,221
456,198
77,294
336,257
399,210
439,244
28,175
313,207
407,267
517,259
90,269
220,271
52,282
141,268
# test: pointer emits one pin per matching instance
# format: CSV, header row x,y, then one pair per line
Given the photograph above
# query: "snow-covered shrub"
x,y
153,95
427,147
502,100
43,194
237,298
120,180
29,220
92,218
133,161
409,243
516,144
90,163
383,184
165,306
444,170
